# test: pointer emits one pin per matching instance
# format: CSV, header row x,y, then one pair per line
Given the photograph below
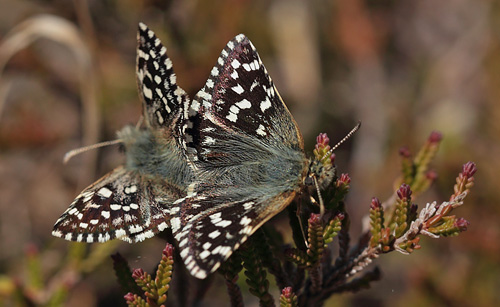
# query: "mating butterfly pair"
x,y
214,168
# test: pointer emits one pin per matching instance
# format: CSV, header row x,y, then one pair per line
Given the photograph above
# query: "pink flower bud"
x,y
462,224
469,169
375,204
314,218
435,137
138,273
287,292
404,152
129,297
404,191
168,250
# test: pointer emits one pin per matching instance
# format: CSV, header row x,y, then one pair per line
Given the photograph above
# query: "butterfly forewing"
x,y
156,80
248,155
121,205
240,98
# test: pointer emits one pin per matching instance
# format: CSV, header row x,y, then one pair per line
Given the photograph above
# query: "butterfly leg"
x,y
301,225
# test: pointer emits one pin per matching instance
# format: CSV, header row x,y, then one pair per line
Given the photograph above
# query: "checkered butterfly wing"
x,y
248,155
162,98
121,205
128,203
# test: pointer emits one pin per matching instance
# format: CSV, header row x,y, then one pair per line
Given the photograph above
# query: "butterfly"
x,y
214,168
248,157
134,201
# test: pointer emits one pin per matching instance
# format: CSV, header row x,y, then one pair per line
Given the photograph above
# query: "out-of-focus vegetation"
x,y
404,68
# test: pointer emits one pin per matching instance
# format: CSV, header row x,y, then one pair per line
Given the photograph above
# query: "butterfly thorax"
x,y
155,155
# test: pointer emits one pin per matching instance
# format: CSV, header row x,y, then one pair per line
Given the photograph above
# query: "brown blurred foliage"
x,y
404,68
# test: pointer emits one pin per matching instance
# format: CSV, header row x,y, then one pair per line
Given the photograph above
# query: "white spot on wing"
x,y
208,141
261,130
147,92
120,233
223,223
131,189
235,63
238,89
175,223
168,63
245,221
214,234
264,105
204,254
244,104
160,118
104,192
135,229
162,226
105,214
240,37
232,117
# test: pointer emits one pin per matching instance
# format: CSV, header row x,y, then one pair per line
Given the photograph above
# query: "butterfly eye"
x,y
308,181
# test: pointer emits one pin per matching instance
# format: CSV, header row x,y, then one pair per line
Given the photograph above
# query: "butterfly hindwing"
x,y
121,205
162,98
209,231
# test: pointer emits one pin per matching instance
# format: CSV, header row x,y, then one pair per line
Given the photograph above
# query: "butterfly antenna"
x,y
139,123
356,128
70,154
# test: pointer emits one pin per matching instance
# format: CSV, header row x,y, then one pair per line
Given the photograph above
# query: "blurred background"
x,y
404,68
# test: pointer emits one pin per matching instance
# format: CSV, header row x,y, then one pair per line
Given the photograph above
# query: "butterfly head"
x,y
321,167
